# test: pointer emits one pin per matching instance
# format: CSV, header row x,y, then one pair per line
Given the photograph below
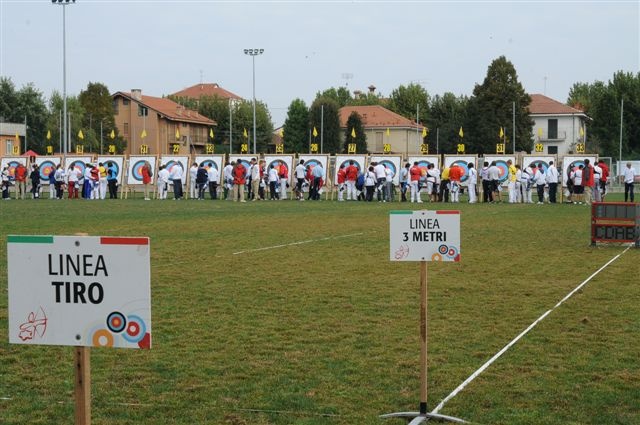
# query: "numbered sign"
x,y
244,148
112,149
424,235
314,148
580,148
16,150
500,148
351,148
424,149
209,149
386,148
144,149
79,149
49,150
175,148
280,148
539,147
460,148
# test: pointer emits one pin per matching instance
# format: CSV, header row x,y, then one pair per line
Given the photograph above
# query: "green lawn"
x,y
326,332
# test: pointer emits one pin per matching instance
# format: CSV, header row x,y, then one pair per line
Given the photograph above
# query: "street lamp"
x,y
64,3
253,53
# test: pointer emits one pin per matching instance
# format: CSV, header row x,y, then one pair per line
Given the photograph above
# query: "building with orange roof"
x,y
157,125
557,126
206,89
9,143
404,135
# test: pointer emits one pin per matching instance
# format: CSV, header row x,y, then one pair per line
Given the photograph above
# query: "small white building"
x,y
558,127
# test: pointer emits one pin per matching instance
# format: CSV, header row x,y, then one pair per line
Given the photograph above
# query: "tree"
x,y
331,128
602,103
27,103
97,109
446,114
296,127
490,108
405,101
217,109
341,95
355,127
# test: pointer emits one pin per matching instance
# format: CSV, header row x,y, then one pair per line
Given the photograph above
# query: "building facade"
x,y
558,127
155,125
10,145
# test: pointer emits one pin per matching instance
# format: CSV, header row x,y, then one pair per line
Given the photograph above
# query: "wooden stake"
x,y
82,361
423,337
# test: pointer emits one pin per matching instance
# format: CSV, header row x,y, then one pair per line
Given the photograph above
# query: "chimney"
x,y
179,109
372,89
136,94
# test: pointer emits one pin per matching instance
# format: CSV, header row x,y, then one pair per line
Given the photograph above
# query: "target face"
x,y
46,167
310,164
78,165
12,168
102,338
209,164
389,165
136,170
116,322
534,164
135,329
503,168
465,170
277,165
172,164
114,165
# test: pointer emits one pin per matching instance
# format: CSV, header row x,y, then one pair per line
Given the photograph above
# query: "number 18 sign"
x,y
424,235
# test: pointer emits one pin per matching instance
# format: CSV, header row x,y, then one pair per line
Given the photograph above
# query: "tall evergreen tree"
x,y
331,129
355,128
296,127
491,107
409,100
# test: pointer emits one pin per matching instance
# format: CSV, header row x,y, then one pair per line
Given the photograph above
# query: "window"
x,y
552,150
9,147
125,102
125,128
552,130
379,142
115,106
143,111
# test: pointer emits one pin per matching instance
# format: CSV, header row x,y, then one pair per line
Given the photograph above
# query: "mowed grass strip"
x,y
326,331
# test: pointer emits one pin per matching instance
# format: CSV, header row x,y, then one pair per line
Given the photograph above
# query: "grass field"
x,y
326,331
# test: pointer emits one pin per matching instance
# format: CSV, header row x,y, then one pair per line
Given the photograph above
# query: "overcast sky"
x,y
164,46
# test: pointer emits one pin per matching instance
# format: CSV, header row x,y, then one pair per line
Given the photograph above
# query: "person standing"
x,y
351,177
518,184
193,185
273,183
455,176
494,181
163,182
239,180
72,182
254,180
487,195
404,181
540,180
527,184
628,177
34,176
604,178
381,178
587,182
283,175
112,180
59,178
389,184
597,173
414,174
552,181
317,176
21,181
175,175
578,188
146,179
227,179
300,173
472,181
202,178
444,185
103,180
52,183
370,183
5,184
511,186
341,176
213,177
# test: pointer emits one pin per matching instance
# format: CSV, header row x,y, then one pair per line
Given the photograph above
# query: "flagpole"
x,y
514,128
437,140
25,133
60,125
230,130
321,129
417,125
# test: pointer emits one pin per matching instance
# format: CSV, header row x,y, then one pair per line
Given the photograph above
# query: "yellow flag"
x,y
143,134
17,137
113,134
48,134
424,132
501,132
581,131
388,132
315,132
246,136
282,132
353,133
80,135
177,133
540,132
211,133
461,133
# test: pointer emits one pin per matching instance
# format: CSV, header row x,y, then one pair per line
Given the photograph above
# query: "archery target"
x,y
358,161
208,163
171,164
12,168
443,249
136,169
545,165
436,257
278,164
135,329
116,322
13,163
115,166
118,164
570,163
46,167
503,169
465,170
79,165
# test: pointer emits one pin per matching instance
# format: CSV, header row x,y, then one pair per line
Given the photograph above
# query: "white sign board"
x,y
424,235
79,290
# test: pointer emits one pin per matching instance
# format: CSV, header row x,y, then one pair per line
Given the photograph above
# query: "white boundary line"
x,y
482,368
297,243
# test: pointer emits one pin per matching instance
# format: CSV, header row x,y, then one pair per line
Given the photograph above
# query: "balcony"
x,y
559,136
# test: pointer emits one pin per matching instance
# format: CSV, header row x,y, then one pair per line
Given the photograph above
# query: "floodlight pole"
x,y
253,53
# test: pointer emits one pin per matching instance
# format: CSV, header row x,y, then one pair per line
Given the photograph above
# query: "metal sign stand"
x,y
415,418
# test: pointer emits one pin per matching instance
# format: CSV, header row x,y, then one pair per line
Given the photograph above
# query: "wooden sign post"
x,y
83,385
424,236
